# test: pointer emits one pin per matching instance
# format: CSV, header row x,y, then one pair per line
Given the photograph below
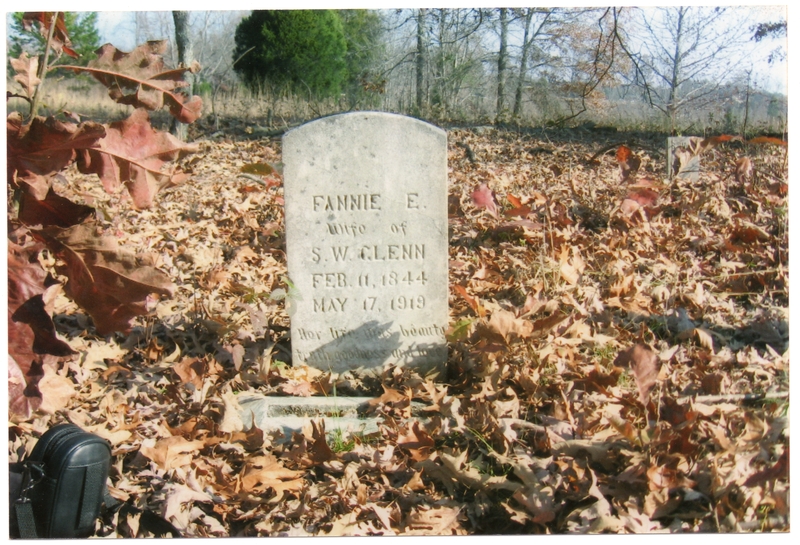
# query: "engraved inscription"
x,y
352,229
329,280
366,242
329,304
392,252
333,203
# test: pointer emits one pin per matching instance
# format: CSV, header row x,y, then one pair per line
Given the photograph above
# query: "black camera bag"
x,y
63,484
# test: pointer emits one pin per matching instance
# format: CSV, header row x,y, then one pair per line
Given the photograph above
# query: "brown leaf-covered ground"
x,y
618,353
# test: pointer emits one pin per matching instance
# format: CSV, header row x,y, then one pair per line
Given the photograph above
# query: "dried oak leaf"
x,y
744,169
644,364
52,210
437,521
56,391
638,198
39,149
60,41
629,163
473,302
416,441
31,332
780,470
263,472
170,452
319,451
390,396
112,285
134,154
484,198
519,209
507,324
768,140
141,79
26,68
191,370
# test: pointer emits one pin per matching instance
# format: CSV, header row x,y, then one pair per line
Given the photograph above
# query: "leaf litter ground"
x,y
618,354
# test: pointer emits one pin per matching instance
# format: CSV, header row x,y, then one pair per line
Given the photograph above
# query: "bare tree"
x,y
684,55
421,58
502,60
458,53
183,44
536,24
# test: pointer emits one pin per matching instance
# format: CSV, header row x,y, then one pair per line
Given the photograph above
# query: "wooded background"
x,y
677,69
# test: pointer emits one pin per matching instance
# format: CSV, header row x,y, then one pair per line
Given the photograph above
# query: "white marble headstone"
x,y
366,242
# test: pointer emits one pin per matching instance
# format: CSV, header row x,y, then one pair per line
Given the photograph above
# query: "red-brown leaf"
x,y
53,210
60,41
623,153
141,79
767,140
644,364
473,302
416,441
778,471
643,196
628,162
133,153
484,198
43,147
31,332
112,285
744,168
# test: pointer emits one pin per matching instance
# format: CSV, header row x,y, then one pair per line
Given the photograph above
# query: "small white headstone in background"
x,y
366,242
682,161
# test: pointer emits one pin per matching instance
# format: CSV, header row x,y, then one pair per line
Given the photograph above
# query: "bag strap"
x,y
26,523
151,522
33,473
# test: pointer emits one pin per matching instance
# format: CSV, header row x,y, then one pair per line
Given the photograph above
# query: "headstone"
x,y
683,161
366,242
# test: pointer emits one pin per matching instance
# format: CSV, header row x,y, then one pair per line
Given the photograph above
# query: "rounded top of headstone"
x,y
364,119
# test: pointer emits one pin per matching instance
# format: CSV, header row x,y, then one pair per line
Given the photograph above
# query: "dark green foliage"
x,y
301,50
363,35
81,29
769,30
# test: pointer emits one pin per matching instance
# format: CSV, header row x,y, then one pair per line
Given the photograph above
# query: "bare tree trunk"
x,y
439,97
183,44
422,52
672,105
501,63
747,104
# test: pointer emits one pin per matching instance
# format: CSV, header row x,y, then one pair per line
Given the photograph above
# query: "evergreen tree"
x,y
81,29
301,50
363,35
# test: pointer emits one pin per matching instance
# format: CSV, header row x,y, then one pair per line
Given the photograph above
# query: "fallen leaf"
x,y
416,441
743,170
484,198
263,472
171,452
231,412
508,325
438,521
644,364
56,391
